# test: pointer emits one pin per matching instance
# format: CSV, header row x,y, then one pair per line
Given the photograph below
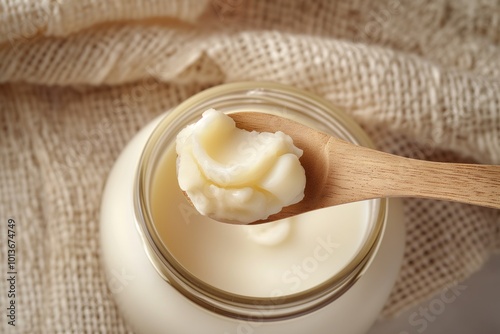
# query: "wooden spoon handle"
x,y
467,183
385,175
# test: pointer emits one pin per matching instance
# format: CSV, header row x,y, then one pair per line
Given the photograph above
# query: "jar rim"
x,y
224,302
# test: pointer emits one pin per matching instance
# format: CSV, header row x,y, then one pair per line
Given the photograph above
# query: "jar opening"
x,y
258,97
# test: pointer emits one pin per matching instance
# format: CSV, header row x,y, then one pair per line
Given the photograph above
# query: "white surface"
x,y
476,308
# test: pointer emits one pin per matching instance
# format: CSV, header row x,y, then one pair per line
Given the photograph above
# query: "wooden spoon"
x,y
339,172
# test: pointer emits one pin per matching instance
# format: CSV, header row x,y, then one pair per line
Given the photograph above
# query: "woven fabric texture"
x,y
78,78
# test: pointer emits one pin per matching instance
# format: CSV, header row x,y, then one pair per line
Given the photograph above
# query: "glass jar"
x,y
153,262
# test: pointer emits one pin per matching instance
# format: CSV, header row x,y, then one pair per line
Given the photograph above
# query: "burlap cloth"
x,y
80,77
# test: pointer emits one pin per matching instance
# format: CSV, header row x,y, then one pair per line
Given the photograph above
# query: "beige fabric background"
x,y
80,77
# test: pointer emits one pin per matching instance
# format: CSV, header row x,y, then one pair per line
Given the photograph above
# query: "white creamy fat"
x,y
234,175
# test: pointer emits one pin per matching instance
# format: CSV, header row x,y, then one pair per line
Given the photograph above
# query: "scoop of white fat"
x,y
234,175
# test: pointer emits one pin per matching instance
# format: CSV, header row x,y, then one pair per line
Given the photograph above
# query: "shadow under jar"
x,y
173,271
